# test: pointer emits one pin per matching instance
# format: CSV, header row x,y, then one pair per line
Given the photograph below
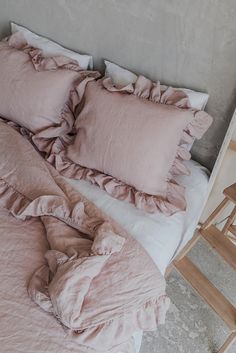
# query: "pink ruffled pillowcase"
x,y
130,142
38,93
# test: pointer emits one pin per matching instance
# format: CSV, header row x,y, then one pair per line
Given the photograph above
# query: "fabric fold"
x,y
173,200
60,77
97,281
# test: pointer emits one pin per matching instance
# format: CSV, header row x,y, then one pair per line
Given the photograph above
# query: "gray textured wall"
x,y
183,42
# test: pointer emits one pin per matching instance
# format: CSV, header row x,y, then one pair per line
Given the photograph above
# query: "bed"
x,y
23,326
26,328
178,228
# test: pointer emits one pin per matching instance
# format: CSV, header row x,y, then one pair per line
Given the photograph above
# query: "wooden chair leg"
x,y
215,213
229,221
228,343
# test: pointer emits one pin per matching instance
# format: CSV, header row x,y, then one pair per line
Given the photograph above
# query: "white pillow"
x,y
51,48
119,75
122,77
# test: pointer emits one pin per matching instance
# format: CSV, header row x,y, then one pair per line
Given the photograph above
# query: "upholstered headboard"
x,y
180,42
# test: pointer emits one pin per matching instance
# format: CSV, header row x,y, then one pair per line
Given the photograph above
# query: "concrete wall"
x,y
181,42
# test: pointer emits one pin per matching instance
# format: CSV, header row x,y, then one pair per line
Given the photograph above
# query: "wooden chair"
x,y
229,228
221,242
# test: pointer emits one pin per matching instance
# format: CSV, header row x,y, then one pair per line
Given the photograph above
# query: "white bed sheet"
x,y
161,236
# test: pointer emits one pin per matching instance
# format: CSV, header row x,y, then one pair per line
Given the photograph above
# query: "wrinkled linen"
x,y
122,77
132,147
97,281
61,85
51,48
40,93
163,235
128,138
23,327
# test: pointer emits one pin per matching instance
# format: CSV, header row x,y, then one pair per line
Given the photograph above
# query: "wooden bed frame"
x,y
220,243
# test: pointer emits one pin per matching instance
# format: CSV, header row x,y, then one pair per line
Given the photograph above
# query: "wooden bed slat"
x,y
221,244
207,291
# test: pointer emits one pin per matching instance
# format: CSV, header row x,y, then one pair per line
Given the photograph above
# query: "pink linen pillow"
x,y
38,93
130,146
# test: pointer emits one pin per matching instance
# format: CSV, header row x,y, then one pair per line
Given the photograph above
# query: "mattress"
x,y
24,327
161,236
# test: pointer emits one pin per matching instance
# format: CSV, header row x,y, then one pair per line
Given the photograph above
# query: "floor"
x,y
191,326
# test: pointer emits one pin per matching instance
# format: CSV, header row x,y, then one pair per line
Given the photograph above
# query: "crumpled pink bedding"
x,y
24,328
51,126
97,281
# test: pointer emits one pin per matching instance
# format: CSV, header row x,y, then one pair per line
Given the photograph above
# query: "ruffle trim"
x,y
153,91
173,201
54,140
157,93
147,318
41,63
20,206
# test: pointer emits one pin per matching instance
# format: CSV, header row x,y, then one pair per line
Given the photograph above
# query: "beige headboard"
x,y
180,42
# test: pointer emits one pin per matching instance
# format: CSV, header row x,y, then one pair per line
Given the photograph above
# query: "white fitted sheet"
x,y
161,236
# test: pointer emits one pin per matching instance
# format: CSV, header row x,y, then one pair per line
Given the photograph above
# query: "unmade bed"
x,y
98,194
26,328
164,236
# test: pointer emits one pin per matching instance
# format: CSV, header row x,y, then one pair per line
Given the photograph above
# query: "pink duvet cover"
x,y
86,270
24,328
